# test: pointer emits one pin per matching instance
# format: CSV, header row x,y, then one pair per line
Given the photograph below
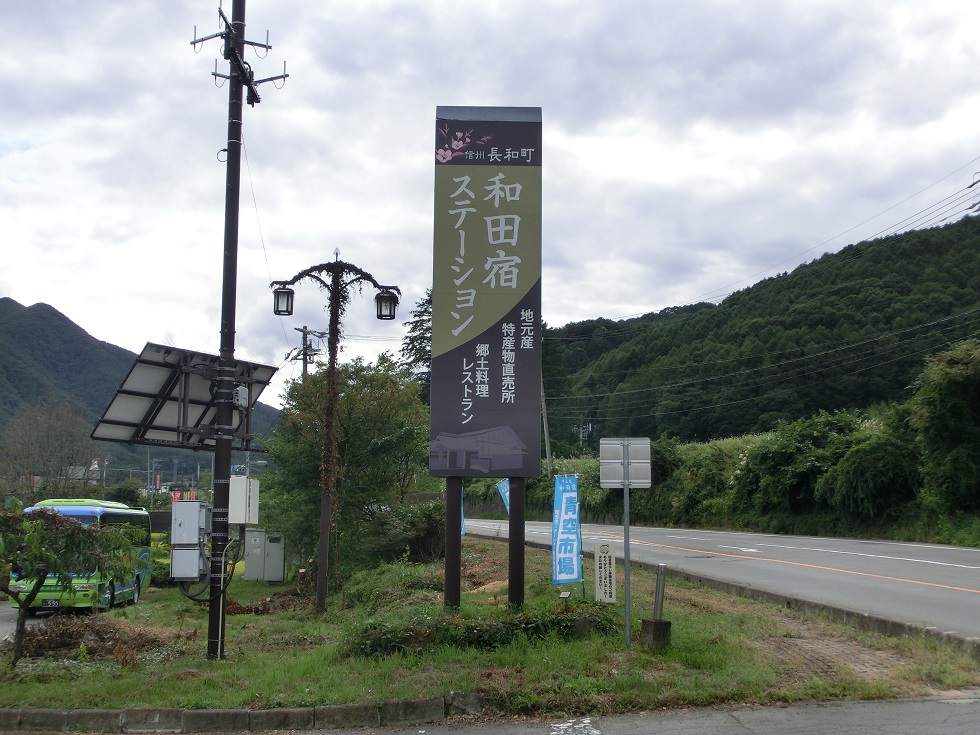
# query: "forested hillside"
x,y
848,330
45,358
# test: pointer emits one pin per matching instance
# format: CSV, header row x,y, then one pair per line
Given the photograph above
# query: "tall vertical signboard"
x,y
485,391
486,294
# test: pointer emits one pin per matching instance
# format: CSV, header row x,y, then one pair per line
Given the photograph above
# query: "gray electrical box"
x,y
265,556
189,524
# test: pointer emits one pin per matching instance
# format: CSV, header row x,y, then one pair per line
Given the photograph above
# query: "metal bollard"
x,y
656,633
658,603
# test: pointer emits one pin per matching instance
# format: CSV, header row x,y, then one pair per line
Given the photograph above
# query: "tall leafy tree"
x,y
416,349
382,455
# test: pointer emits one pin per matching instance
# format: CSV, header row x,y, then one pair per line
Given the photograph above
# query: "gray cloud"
x,y
690,149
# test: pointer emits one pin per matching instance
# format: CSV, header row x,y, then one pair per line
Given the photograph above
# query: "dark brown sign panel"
x,y
486,294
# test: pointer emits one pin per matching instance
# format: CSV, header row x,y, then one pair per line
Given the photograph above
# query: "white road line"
x,y
578,726
872,556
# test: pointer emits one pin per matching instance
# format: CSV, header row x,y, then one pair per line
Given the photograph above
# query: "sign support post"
x,y
454,507
625,463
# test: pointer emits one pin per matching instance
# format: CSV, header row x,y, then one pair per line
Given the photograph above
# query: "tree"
x,y
43,542
946,412
381,456
416,350
127,491
44,445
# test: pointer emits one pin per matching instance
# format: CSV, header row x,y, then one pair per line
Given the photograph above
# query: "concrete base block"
x,y
464,703
655,633
9,718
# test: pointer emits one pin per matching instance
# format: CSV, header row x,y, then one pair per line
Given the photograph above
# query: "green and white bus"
x,y
90,590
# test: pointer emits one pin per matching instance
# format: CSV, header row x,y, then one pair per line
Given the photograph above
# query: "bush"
x,y
376,588
423,629
876,475
160,571
780,474
414,531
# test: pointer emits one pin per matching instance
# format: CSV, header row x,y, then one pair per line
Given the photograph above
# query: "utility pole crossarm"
x,y
239,68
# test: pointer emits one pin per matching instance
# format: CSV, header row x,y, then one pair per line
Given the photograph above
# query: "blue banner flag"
x,y
566,543
503,487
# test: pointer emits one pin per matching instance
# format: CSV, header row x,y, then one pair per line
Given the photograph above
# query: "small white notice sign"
x,y
605,574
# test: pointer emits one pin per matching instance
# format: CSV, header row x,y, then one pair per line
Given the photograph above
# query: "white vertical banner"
x,y
566,543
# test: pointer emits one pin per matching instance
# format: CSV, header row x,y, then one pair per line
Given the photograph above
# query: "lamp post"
x,y
336,278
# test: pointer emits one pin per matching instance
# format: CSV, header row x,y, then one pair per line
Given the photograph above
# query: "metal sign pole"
x,y
626,536
625,463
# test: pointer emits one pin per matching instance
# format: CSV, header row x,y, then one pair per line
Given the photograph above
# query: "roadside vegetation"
x,y
907,471
389,636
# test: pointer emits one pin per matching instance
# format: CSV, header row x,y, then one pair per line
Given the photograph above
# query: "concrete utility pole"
x,y
308,351
240,78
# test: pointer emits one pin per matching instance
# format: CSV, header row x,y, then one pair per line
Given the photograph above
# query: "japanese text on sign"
x,y
566,556
491,242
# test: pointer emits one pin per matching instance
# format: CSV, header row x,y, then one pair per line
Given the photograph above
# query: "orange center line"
x,y
797,564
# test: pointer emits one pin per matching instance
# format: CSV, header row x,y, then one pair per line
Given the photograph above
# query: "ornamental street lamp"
x,y
336,278
282,301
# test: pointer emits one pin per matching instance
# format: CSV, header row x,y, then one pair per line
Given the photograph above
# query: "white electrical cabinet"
x,y
243,501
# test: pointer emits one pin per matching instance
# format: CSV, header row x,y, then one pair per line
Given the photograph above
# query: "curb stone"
x,y
412,711
284,718
168,720
346,715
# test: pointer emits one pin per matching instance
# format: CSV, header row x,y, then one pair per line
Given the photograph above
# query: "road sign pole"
x,y
626,537
625,463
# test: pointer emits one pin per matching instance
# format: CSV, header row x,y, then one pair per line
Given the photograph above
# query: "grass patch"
x,y
389,637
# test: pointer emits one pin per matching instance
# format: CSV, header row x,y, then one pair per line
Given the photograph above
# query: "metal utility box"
x,y
265,556
243,501
188,523
188,533
187,565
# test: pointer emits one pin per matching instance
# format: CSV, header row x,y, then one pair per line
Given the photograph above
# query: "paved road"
x,y
924,585
8,617
952,715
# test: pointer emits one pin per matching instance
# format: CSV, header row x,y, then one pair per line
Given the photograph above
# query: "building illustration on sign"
x,y
488,451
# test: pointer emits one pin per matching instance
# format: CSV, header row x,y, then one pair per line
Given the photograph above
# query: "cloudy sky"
x,y
690,149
